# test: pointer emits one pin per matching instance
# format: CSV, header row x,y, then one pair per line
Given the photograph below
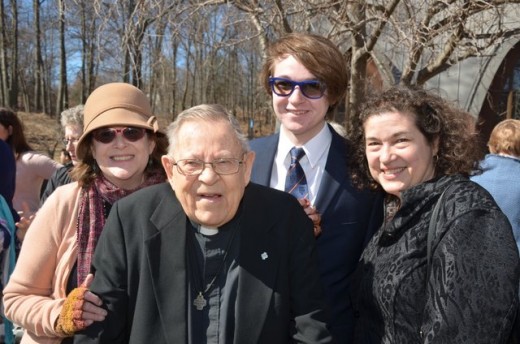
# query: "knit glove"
x,y
70,319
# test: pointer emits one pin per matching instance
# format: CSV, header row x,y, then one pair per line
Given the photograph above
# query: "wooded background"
x,y
53,53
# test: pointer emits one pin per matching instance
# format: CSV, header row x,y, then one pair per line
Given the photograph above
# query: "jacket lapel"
x,y
167,263
335,172
259,261
264,160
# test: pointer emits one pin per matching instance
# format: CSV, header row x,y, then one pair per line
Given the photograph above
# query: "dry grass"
x,y
42,132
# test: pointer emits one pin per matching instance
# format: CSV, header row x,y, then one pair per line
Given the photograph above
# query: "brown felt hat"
x,y
112,105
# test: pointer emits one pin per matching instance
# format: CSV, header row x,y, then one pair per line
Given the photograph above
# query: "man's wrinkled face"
x,y
209,198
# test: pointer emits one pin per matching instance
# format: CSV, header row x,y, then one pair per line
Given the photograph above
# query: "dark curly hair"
x,y
437,119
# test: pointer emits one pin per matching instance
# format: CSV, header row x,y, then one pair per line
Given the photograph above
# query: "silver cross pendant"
x,y
200,302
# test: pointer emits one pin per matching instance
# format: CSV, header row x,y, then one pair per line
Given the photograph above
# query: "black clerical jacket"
x,y
140,264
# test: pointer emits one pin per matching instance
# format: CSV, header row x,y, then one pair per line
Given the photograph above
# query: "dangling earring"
x,y
150,162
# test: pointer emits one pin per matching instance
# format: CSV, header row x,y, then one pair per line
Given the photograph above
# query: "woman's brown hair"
x,y
437,119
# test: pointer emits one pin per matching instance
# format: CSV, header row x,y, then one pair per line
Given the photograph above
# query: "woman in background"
x,y
415,146
119,153
31,168
501,171
72,126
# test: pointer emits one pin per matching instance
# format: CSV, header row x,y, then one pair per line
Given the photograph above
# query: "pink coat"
x,y
31,170
36,291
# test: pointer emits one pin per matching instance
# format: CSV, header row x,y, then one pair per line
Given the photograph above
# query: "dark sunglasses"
x,y
312,89
107,135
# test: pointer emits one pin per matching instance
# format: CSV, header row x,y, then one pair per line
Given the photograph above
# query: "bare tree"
x,y
9,54
4,58
39,86
63,95
187,52
87,37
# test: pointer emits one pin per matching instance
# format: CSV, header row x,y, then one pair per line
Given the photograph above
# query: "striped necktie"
x,y
295,182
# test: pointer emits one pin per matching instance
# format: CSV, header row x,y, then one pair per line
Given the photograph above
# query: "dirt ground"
x,y
42,132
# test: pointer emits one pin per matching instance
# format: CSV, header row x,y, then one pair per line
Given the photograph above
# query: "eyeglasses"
x,y
194,167
312,89
71,140
107,135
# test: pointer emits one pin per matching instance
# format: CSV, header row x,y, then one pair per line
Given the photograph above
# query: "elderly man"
x,y
216,260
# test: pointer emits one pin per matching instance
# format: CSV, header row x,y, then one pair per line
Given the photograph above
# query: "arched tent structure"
x,y
477,84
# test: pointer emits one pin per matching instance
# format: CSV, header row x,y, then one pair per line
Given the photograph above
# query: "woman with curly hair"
x,y
464,287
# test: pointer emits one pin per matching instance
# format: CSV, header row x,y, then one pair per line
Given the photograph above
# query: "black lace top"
x,y
472,294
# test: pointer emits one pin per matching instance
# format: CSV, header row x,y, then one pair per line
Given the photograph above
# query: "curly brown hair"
x,y
86,170
437,119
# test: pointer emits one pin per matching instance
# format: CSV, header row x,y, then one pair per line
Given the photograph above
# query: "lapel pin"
x,y
264,256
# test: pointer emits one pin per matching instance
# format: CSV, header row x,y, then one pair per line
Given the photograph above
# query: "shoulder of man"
x,y
260,142
148,195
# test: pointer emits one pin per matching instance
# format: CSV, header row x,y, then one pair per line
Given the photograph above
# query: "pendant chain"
x,y
200,301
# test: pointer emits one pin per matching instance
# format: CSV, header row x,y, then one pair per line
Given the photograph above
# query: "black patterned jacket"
x,y
472,294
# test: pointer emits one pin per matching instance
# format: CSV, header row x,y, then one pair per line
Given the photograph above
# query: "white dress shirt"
x,y
313,163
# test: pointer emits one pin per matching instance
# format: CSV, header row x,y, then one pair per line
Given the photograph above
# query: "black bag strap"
x,y
431,232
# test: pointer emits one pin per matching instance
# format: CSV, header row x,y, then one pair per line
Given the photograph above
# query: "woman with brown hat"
x,y
119,153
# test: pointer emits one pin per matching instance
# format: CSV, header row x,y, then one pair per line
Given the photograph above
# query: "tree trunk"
x,y
175,47
63,97
13,77
4,71
358,67
38,62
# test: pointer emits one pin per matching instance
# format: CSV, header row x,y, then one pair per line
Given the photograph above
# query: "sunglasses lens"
x,y
108,135
313,89
104,135
133,134
283,87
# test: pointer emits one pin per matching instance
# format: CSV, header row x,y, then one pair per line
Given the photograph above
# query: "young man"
x,y
306,76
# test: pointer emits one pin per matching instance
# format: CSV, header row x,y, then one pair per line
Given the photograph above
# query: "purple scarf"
x,y
91,218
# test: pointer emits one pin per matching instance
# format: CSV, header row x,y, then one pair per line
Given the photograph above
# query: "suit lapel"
x,y
264,161
259,261
167,264
335,172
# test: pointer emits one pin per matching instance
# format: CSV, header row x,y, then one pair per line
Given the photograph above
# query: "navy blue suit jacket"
x,y
349,219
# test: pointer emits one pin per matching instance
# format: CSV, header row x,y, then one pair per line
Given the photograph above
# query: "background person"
x,y
72,126
415,146
7,172
65,158
118,153
209,257
31,168
306,76
8,217
501,171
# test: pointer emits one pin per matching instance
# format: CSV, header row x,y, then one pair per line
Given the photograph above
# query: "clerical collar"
x,y
209,231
